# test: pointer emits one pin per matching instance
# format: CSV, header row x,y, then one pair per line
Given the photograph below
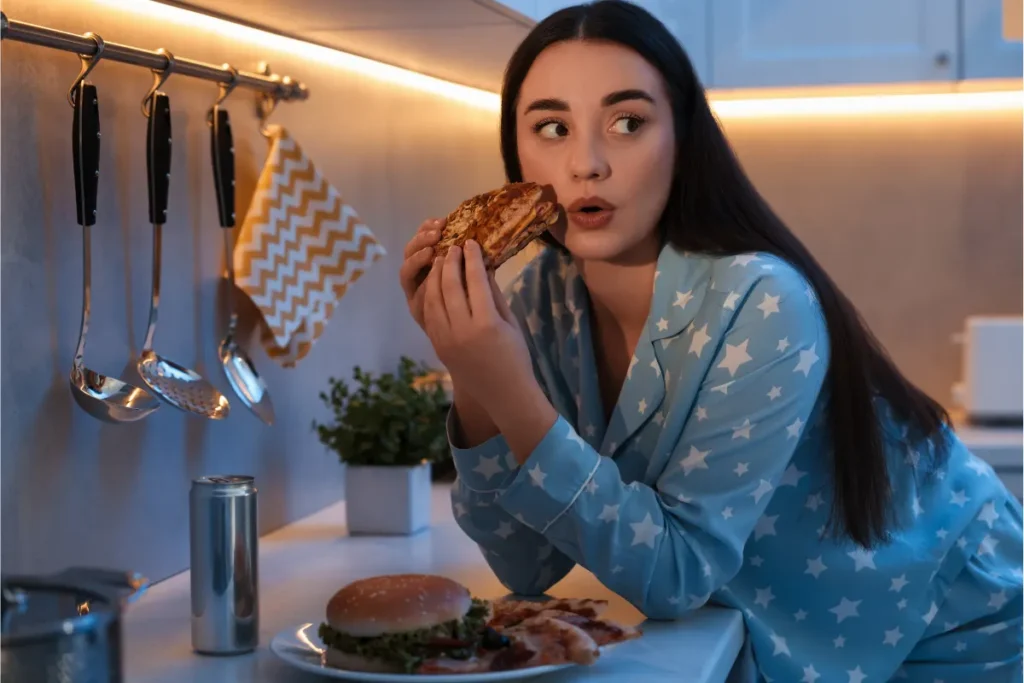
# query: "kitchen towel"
x,y
299,249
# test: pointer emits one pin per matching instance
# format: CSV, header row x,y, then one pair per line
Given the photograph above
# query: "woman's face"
x,y
594,121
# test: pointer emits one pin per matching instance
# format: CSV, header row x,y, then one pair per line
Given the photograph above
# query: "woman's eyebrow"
x,y
611,99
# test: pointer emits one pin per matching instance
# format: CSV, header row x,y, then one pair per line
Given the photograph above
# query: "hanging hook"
x,y
266,102
160,76
224,90
89,62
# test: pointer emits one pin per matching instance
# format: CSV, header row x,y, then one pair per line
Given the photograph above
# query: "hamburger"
x,y
502,221
394,623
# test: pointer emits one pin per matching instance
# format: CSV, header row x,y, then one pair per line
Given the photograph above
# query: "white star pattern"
x,y
504,530
839,641
632,362
743,431
702,414
782,345
656,368
727,513
765,527
683,298
537,476
460,510
763,596
892,637
744,260
762,489
792,476
815,567
741,469
662,325
735,356
980,467
856,675
987,545
807,360
774,393
722,388
609,513
846,609
489,467
862,559
781,648
959,498
644,532
695,460
988,514
769,305
930,615
699,340
810,675
799,615
793,430
898,583
576,439
814,501
730,301
642,406
659,418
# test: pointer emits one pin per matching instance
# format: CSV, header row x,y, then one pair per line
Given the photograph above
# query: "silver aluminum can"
x,y
223,539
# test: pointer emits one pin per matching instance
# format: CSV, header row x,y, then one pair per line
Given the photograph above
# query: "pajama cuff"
x,y
551,479
487,467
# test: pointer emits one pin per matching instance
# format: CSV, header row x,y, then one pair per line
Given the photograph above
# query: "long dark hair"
x,y
714,208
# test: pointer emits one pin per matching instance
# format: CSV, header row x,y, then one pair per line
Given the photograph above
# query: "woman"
x,y
738,437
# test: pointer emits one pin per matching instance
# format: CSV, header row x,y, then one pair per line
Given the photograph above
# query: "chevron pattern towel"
x,y
299,249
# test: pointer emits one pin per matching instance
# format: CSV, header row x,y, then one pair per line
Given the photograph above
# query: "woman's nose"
x,y
588,162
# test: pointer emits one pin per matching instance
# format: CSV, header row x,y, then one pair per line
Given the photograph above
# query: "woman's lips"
x,y
591,220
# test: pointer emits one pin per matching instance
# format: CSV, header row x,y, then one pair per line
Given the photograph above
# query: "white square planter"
x,y
387,500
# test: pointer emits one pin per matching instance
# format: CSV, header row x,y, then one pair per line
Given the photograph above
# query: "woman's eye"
x,y
551,129
627,125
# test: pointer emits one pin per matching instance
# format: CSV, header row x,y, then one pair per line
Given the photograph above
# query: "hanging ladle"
x,y
105,398
183,388
238,367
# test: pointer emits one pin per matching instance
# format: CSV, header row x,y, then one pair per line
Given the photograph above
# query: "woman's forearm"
x,y
473,425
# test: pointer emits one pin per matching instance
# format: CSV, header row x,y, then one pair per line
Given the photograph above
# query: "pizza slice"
x,y
602,631
502,221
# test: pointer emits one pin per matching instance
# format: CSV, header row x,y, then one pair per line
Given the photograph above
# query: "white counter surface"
x,y
303,564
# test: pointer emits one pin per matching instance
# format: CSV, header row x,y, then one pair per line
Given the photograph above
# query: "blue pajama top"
x,y
711,480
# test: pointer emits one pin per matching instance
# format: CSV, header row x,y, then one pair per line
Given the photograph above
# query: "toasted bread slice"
x,y
502,221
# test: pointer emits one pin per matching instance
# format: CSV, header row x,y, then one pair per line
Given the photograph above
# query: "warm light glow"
x,y
391,74
860,105
725,105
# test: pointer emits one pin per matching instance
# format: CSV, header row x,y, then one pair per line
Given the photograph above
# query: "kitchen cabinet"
x,y
687,20
768,43
985,53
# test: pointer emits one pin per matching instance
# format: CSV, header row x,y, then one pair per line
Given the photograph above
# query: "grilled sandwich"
x,y
502,221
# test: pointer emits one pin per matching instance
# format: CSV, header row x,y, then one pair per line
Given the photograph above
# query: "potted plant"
x,y
387,430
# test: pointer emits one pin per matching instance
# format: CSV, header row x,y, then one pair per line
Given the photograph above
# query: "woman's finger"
x,y
413,270
480,299
453,290
500,303
424,237
434,313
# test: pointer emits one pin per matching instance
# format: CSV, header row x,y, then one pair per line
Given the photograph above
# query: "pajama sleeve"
x,y
668,546
523,560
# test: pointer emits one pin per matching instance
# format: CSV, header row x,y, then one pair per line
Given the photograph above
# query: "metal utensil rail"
x,y
276,87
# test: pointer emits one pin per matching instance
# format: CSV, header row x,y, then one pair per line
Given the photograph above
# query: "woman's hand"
x,y
419,252
472,329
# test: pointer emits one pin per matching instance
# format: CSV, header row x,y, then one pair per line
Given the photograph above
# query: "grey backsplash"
x,y
918,220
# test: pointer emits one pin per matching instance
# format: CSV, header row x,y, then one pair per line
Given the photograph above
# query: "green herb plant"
x,y
392,419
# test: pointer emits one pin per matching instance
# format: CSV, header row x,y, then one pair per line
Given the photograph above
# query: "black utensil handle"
x,y
85,139
158,156
222,152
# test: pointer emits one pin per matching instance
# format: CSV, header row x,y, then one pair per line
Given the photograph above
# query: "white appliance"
x,y
992,390
990,398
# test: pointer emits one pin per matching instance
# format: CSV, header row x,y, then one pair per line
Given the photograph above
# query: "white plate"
x,y
300,647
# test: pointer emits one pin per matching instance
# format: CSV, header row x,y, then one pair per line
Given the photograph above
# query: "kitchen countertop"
x,y
303,564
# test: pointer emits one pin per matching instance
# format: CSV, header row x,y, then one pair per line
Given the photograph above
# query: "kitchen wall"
x,y
916,217
77,491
